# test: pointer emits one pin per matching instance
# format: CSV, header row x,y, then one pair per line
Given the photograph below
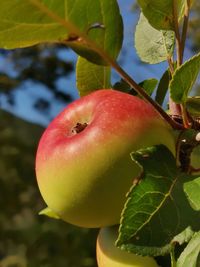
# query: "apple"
x,y
83,163
108,255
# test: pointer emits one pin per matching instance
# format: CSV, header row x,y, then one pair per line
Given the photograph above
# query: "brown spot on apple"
x,y
79,127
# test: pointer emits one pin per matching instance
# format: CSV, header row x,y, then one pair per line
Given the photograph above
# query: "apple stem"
x,y
82,36
79,127
172,256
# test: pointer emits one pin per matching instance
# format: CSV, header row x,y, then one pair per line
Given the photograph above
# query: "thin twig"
x,y
172,256
177,34
180,43
185,27
83,36
186,120
171,65
175,109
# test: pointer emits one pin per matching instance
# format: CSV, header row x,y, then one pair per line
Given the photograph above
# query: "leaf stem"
x,y
172,256
185,26
177,34
171,65
186,120
83,36
180,45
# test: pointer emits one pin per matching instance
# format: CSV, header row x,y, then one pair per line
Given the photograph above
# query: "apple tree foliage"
x,y
162,209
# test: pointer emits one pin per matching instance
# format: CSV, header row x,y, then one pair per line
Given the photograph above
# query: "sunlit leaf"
x,y
189,257
192,189
157,208
184,236
24,23
184,78
153,46
91,77
160,13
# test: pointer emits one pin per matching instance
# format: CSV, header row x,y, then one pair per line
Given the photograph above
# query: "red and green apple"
x,y
83,163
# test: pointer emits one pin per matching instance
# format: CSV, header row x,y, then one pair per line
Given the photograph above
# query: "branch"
x,y
180,45
70,26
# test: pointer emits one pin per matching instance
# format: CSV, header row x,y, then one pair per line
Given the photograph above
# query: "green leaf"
x,y
152,46
188,155
192,190
184,78
49,213
91,77
23,24
189,257
193,105
160,13
195,158
162,87
157,208
149,85
184,236
122,86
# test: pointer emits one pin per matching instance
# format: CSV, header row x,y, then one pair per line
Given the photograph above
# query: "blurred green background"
x,y
37,79
27,239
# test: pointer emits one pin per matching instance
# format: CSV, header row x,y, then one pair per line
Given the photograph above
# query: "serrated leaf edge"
x,y
129,198
177,71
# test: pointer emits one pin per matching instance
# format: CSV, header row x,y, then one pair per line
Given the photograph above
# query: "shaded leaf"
x,y
162,87
122,86
160,13
195,158
153,46
25,24
157,208
149,85
193,105
192,190
91,77
184,78
190,254
187,150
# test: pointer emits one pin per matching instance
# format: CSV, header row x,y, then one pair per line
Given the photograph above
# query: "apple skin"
x,y
84,177
108,255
